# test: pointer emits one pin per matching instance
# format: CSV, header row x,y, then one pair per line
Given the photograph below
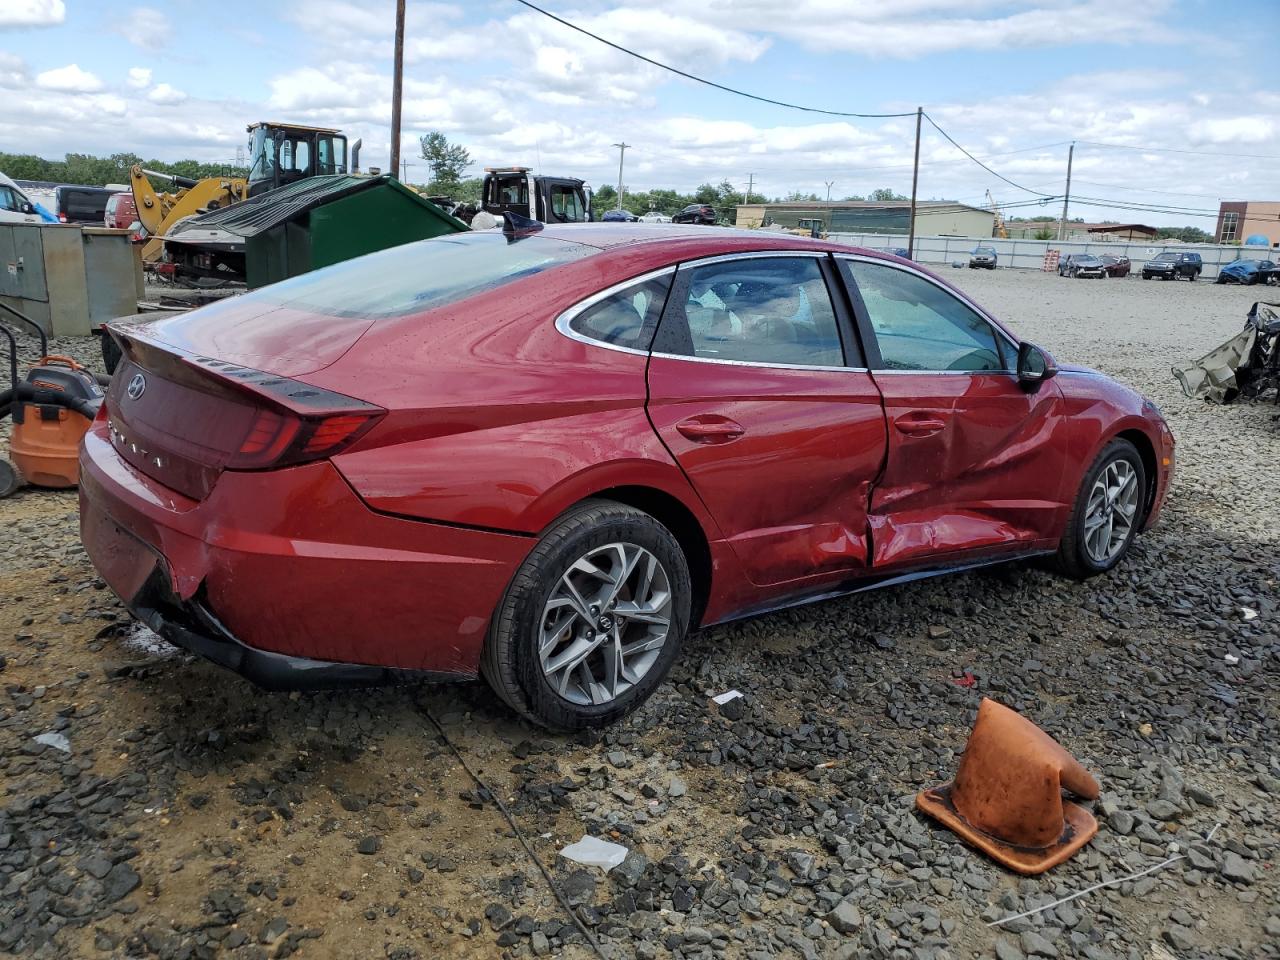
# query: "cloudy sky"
x,y
1013,81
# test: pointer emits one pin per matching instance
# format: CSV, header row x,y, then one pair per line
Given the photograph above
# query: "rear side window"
x,y
920,326
421,275
626,318
756,310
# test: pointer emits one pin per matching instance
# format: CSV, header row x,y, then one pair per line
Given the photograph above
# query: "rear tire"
x,y
647,614
1109,508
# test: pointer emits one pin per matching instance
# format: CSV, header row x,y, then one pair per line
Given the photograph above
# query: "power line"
x,y
1196,153
709,83
998,176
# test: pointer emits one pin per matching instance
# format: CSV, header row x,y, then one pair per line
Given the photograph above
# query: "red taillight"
x,y
62,218
277,439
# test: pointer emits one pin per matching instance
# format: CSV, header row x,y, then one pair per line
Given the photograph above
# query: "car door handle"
x,y
710,429
919,424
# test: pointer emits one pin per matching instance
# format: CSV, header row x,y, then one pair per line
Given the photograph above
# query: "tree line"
x,y
87,170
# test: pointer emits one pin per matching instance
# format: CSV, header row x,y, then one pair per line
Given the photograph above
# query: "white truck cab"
x,y
14,205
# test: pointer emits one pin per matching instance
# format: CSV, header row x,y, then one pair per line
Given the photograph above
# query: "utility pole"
x,y
1066,196
915,181
396,83
751,179
622,152
830,184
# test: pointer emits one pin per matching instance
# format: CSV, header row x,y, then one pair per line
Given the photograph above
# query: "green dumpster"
x,y
324,220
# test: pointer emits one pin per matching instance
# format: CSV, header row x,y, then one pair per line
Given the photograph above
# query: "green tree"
x,y
1185,234
854,198
884,193
604,198
1044,234
446,160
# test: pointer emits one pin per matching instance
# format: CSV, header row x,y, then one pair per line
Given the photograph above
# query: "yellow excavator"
x,y
280,153
157,211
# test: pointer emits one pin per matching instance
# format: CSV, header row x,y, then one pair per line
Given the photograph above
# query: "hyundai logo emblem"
x,y
137,386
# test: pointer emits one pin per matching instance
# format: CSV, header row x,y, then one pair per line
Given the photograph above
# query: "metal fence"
x,y
1029,254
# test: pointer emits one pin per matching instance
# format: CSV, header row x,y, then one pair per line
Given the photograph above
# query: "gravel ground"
x,y
194,816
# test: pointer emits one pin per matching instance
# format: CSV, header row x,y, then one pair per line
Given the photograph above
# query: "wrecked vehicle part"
x,y
1247,365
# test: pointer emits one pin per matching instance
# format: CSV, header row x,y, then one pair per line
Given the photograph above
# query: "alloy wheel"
x,y
1111,511
605,623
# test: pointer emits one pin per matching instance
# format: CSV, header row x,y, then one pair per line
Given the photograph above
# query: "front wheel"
x,y
1107,512
592,620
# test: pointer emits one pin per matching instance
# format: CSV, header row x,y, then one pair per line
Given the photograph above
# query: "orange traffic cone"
x,y
1006,799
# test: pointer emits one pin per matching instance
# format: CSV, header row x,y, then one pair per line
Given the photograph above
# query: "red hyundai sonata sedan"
x,y
545,456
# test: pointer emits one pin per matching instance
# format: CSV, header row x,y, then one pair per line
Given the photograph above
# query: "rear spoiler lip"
x,y
294,397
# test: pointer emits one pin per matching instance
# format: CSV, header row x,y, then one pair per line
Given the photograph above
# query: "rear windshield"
x,y
89,204
421,275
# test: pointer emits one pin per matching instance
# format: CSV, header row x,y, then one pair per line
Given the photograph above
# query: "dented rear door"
x,y
757,390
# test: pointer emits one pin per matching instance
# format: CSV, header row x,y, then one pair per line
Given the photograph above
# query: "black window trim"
x,y
668,337
871,345
564,321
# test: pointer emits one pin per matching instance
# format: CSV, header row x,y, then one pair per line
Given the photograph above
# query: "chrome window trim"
x,y
753,363
962,297
567,317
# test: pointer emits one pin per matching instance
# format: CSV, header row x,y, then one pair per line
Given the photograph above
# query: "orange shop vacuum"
x,y
51,410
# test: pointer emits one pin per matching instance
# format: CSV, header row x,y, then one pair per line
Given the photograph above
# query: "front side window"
x,y
626,318
758,310
920,326
565,204
7,200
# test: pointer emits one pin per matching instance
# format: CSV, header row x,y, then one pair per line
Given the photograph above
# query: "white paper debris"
x,y
723,698
1249,613
55,740
594,852
143,641
1232,659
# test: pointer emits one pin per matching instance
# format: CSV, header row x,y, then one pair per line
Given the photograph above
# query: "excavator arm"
x,y
158,212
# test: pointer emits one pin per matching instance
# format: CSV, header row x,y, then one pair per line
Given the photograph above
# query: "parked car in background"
x,y
653,216
121,211
1171,265
612,436
1115,266
1081,265
1247,272
983,258
898,252
16,206
618,216
702,213
81,204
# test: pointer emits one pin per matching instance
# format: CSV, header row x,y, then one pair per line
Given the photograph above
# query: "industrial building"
x,y
1076,230
1249,222
937,218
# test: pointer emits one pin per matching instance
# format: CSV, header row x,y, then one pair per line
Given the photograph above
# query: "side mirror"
x,y
1034,366
28,208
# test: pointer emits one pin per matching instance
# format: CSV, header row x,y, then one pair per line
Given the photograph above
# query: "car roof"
x,y
606,236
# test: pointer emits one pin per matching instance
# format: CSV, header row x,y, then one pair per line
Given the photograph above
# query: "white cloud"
x,y
147,28
139,78
70,79
165,94
13,71
32,13
1248,129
